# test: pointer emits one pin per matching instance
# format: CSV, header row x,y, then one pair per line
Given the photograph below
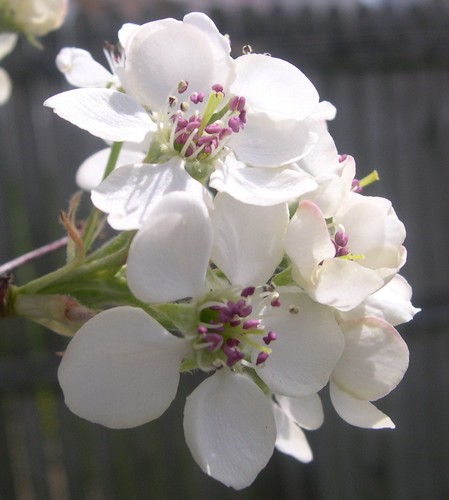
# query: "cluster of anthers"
x,y
228,332
197,130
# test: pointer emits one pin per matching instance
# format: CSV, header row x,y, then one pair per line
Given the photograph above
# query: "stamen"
x,y
248,291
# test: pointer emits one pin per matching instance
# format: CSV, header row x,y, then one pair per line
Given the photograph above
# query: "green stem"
x,y
92,223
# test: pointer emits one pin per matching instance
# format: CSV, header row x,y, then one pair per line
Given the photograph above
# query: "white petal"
x,y
81,69
333,188
344,284
229,428
125,32
324,111
5,86
358,412
170,254
374,360
259,186
105,113
274,86
291,440
175,51
391,303
307,241
129,192
307,411
265,142
308,346
239,230
121,369
90,172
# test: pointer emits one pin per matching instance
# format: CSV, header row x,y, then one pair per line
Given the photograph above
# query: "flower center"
x,y
229,330
197,128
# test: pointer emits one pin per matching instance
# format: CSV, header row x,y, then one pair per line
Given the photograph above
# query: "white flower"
x,y
239,330
202,105
373,362
7,44
340,264
34,17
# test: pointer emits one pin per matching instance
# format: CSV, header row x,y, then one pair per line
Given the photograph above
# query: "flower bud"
x,y
59,313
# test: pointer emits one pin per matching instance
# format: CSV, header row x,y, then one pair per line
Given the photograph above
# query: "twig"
x,y
34,254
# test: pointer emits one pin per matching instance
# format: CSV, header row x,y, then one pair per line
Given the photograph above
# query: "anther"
x,y
292,309
247,49
270,337
182,86
261,358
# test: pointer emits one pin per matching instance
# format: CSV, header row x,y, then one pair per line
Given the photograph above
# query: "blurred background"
x,y
385,66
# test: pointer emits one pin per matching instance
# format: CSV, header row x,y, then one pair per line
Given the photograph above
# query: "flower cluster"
x,y
256,258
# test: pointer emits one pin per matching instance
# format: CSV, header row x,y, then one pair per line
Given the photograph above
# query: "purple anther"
x,y
248,291
234,322
234,123
233,103
270,337
232,353
182,86
249,324
214,128
202,329
241,104
217,87
243,309
341,251
232,342
242,117
193,124
197,97
189,151
341,238
205,139
342,158
225,133
261,358
214,340
181,123
356,187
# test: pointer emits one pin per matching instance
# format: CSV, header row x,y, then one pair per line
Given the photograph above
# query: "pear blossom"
x,y
33,17
236,330
202,107
343,262
373,362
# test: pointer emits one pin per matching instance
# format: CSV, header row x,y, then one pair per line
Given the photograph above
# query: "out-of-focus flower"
x,y
33,18
7,44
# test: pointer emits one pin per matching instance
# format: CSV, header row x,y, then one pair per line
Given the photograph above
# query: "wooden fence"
x,y
387,71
